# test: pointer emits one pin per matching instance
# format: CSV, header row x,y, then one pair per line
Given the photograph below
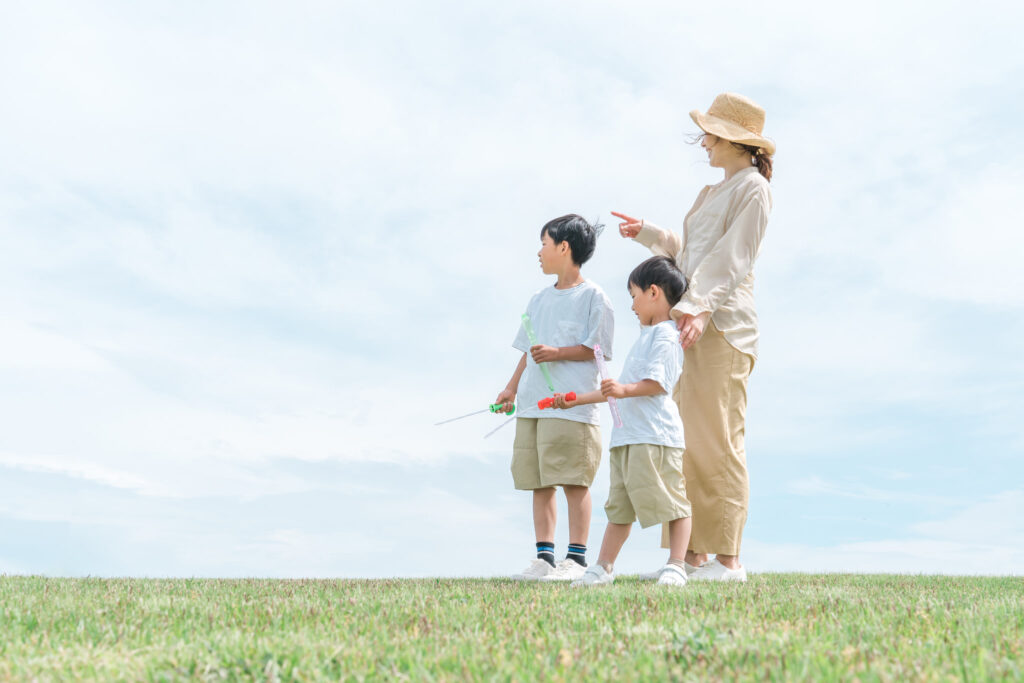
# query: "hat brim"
x,y
730,131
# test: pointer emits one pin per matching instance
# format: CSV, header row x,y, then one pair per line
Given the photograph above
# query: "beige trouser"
x,y
712,399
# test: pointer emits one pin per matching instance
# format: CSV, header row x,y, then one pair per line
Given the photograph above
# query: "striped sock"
x,y
577,553
546,552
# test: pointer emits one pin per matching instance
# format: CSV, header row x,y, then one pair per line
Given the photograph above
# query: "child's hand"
x,y
560,402
611,388
630,227
544,354
508,399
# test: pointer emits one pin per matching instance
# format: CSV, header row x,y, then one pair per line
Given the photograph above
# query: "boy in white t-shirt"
x,y
646,455
560,448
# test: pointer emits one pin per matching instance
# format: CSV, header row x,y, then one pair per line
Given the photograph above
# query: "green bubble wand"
x,y
533,341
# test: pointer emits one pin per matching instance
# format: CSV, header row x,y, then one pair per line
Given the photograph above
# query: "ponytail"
x,y
762,159
763,162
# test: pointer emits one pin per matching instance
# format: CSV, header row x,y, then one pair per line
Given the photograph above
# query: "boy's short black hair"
x,y
574,229
661,271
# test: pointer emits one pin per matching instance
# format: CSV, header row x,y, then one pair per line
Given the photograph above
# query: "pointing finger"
x,y
625,217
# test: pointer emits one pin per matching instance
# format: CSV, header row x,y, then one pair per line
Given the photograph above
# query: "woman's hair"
x,y
574,229
762,159
661,271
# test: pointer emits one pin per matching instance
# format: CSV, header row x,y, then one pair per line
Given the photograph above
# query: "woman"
x,y
718,326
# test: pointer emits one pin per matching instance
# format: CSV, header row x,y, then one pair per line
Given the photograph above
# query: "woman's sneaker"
x,y
671,575
537,570
566,570
595,575
716,571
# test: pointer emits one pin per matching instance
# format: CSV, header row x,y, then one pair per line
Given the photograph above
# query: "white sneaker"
x,y
566,570
656,574
672,575
537,570
716,571
595,575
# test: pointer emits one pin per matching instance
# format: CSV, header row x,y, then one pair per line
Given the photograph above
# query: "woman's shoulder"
x,y
750,179
753,186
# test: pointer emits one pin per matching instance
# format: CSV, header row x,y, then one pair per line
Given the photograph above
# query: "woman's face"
x,y
716,148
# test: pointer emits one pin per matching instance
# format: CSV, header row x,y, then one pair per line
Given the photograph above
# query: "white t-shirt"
x,y
565,317
654,419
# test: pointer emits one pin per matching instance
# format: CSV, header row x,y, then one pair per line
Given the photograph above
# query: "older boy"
x,y
560,449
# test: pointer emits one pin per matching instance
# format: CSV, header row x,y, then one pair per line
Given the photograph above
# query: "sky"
x,y
250,253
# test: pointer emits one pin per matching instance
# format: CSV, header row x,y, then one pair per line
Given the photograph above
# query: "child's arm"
x,y
581,399
508,395
546,354
612,388
645,387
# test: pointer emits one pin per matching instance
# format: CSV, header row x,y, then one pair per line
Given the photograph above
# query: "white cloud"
x,y
967,248
902,556
995,521
23,346
817,486
985,538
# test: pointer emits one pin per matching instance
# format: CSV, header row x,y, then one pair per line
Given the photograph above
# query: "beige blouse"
x,y
721,239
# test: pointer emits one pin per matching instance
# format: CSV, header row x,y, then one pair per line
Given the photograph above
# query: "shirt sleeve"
x,y
663,363
730,260
661,242
601,324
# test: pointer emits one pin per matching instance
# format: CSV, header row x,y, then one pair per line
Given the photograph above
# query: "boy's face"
x,y
552,256
649,304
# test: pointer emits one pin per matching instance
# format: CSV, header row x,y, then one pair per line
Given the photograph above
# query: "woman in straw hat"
x,y
718,326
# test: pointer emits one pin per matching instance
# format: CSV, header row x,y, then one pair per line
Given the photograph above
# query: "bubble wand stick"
x,y
498,427
603,372
493,408
533,341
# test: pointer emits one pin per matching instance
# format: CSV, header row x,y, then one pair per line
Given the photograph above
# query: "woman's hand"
x,y
630,227
691,328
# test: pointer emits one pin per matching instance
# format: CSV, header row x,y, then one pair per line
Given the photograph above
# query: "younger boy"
x,y
560,448
647,450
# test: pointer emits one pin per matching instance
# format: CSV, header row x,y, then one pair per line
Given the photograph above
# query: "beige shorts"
x,y
551,451
647,484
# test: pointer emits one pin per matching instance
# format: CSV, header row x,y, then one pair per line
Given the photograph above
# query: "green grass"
x,y
776,627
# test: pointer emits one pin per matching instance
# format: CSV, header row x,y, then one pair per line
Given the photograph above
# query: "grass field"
x,y
776,627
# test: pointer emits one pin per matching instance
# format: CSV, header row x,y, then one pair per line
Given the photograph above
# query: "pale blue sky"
x,y
252,253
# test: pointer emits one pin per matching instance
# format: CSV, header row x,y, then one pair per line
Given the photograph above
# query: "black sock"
x,y
546,552
577,553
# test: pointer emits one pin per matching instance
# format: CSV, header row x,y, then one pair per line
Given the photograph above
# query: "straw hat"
x,y
735,118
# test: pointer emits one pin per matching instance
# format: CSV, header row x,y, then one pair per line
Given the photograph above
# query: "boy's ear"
x,y
655,291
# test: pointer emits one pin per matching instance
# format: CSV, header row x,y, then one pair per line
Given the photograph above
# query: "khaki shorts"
x,y
551,451
647,484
